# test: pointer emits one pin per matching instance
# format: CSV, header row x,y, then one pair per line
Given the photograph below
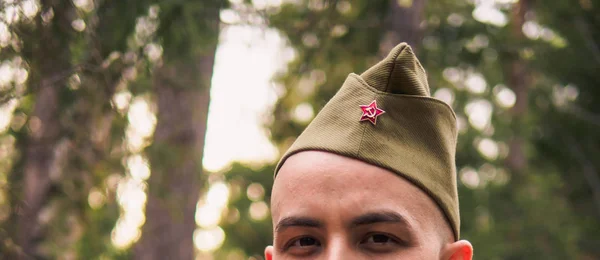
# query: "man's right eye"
x,y
305,242
303,246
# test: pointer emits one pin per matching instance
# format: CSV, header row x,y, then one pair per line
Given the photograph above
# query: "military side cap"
x,y
386,117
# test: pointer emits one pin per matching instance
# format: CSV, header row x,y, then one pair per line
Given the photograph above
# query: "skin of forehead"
x,y
311,173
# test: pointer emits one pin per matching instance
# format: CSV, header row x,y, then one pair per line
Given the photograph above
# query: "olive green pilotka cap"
x,y
386,117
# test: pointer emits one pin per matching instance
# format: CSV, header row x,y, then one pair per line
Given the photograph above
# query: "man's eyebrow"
x,y
379,217
297,222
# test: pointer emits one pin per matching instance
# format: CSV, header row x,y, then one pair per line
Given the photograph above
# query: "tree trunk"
x,y
403,24
49,70
182,89
518,80
176,162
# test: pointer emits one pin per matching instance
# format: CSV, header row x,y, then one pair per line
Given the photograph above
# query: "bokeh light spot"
x,y
259,210
469,177
208,240
255,192
446,95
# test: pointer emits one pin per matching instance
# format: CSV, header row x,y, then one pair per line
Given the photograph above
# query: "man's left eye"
x,y
378,239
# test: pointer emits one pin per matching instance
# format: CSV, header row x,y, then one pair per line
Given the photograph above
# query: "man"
x,y
373,176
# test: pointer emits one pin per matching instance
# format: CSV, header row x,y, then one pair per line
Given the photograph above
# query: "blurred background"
x,y
149,129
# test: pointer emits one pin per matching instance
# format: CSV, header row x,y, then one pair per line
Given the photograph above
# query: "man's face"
x,y
325,206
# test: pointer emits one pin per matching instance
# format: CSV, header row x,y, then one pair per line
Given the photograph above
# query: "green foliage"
x,y
570,139
90,131
117,21
516,219
188,28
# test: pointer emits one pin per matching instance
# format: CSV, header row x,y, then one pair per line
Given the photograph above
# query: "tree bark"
x,y
50,67
518,80
176,162
182,90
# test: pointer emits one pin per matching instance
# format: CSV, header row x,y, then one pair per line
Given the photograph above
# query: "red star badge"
x,y
371,112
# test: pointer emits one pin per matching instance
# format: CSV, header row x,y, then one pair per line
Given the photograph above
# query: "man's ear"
x,y
459,250
269,253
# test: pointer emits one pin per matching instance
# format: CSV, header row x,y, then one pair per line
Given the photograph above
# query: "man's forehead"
x,y
327,177
319,166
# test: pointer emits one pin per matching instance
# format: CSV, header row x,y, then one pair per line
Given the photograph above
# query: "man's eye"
x,y
303,246
305,242
379,240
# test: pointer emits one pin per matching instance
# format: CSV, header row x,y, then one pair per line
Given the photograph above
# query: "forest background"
x,y
148,129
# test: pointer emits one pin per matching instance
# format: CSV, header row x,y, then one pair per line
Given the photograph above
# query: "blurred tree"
x,y
188,32
67,133
518,79
50,62
514,197
569,139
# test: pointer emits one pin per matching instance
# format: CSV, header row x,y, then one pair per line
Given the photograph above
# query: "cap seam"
x,y
387,86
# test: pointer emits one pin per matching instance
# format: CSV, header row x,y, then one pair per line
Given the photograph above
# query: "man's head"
x,y
373,176
327,206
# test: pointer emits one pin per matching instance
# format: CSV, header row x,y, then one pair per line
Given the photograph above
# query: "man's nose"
x,y
340,249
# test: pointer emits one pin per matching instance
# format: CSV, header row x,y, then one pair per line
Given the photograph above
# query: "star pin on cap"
x,y
416,139
371,112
